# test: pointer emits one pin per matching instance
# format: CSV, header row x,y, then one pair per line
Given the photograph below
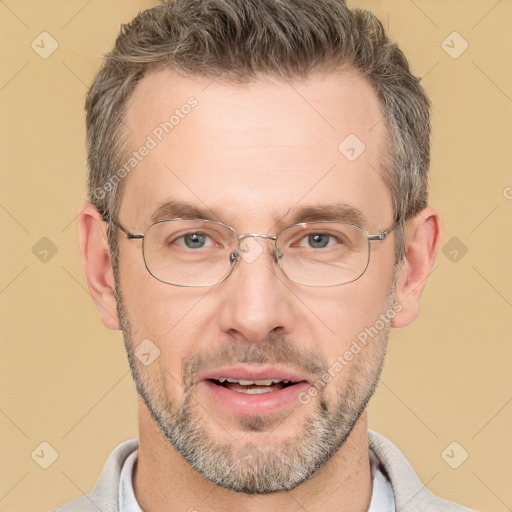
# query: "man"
x,y
257,221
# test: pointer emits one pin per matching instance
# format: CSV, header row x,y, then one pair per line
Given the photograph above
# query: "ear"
x,y
96,262
423,236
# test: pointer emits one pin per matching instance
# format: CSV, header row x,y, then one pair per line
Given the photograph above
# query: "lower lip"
x,y
258,404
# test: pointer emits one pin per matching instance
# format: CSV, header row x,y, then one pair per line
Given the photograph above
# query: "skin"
x,y
249,153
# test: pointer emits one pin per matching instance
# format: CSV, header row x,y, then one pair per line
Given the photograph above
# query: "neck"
x,y
163,480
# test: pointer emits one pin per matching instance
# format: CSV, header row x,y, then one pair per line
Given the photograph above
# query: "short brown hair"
x,y
241,40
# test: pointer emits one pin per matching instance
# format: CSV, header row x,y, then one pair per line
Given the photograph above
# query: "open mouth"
x,y
252,387
252,391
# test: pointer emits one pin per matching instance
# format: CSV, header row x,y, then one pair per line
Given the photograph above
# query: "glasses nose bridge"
x,y
241,238
256,235
260,235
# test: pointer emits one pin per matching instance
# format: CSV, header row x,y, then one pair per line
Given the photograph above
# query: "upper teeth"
x,y
267,382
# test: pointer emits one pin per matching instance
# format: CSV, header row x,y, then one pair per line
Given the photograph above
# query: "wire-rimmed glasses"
x,y
200,252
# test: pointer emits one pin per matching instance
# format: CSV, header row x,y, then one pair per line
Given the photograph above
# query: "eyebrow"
x,y
334,212
341,212
173,209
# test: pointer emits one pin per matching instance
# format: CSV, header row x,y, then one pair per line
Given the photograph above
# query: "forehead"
x,y
250,153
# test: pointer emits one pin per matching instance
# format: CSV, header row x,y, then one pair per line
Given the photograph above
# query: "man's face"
x,y
250,156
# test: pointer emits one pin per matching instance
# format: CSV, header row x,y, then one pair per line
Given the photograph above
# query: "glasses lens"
x,y
189,252
323,253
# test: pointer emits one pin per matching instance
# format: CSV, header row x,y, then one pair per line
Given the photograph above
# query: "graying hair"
x,y
241,41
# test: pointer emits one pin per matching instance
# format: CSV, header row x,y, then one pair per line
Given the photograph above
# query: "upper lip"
x,y
252,374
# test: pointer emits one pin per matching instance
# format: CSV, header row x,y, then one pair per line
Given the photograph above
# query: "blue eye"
x,y
194,240
318,240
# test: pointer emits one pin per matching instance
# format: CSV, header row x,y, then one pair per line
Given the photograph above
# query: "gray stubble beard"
x,y
249,469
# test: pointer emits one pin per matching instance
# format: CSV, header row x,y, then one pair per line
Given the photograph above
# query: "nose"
x,y
255,300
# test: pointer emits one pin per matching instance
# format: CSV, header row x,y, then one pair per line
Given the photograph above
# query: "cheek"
x,y
175,319
353,314
179,321
153,308
352,307
355,354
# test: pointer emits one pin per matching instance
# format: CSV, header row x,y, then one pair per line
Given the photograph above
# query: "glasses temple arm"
x,y
384,234
129,235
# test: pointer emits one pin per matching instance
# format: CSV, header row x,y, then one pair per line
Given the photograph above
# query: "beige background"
x,y
64,377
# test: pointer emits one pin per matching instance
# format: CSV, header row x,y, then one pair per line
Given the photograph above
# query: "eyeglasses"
x,y
199,252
